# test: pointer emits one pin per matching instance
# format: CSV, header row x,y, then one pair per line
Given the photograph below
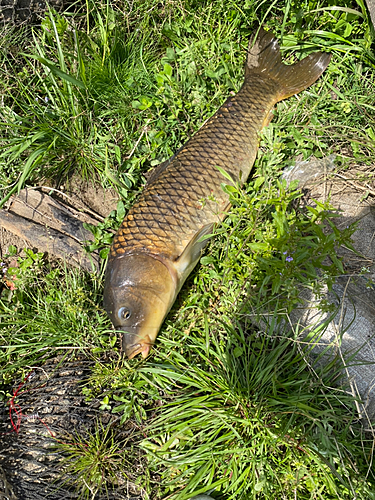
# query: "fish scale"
x,y
176,204
160,240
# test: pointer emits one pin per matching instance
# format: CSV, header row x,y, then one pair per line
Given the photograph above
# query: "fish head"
x,y
138,293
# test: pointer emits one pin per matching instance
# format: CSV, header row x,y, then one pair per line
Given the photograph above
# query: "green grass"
x,y
110,103
100,460
251,422
221,405
49,310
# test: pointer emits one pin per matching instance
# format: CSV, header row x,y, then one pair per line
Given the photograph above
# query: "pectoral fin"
x,y
192,253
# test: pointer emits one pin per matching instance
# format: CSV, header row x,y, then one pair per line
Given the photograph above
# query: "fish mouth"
x,y
138,348
132,344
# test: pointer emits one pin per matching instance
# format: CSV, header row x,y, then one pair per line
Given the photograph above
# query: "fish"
x,y
162,237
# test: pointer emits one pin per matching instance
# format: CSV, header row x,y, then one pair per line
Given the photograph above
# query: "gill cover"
x,y
138,293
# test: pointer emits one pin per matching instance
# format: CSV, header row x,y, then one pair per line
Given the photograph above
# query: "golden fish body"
x,y
158,243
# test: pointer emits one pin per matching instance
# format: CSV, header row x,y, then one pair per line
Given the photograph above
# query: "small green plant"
x,y
273,247
17,274
103,232
99,462
121,389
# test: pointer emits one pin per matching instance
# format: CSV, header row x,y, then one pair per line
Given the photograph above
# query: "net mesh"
x,y
45,410
15,12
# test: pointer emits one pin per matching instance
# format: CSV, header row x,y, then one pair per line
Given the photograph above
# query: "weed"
x,y
273,247
99,462
103,232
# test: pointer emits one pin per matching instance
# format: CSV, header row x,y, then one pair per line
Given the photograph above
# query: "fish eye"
x,y
124,313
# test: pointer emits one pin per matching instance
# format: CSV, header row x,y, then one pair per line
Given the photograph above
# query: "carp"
x,y
161,238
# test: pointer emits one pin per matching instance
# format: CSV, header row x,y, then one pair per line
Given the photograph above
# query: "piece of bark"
x,y
48,239
87,195
40,208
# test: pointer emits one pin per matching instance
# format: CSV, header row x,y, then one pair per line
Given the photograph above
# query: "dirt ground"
x,y
350,334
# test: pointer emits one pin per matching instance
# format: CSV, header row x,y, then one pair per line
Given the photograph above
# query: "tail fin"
x,y
264,57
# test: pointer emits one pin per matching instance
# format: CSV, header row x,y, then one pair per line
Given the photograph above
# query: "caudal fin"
x,y
264,57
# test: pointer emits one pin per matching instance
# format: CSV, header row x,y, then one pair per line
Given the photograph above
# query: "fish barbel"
x,y
160,240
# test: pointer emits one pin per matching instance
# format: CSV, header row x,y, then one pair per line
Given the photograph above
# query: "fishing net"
x,y
44,421
15,12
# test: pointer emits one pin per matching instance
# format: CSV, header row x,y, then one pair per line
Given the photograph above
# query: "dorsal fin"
x,y
157,171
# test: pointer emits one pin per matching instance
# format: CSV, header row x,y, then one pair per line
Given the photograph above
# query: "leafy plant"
x,y
248,420
99,462
274,247
103,232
